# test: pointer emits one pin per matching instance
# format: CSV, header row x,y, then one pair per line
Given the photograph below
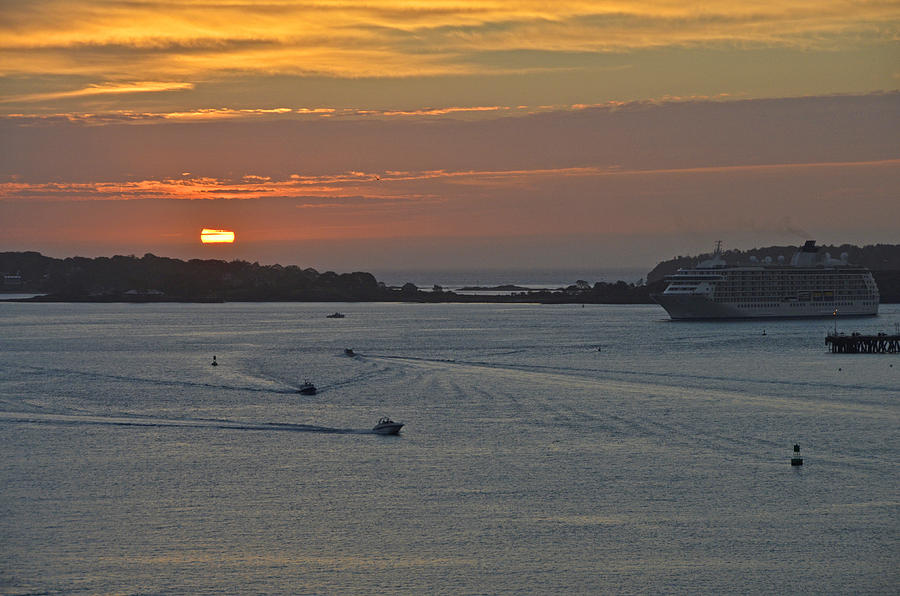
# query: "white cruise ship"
x,y
806,287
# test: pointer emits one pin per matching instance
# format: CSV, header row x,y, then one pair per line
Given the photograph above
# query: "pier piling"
x,y
856,343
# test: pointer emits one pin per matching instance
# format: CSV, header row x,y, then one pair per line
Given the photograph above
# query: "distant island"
x,y
160,279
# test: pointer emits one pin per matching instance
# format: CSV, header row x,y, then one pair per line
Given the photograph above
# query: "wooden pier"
x,y
856,343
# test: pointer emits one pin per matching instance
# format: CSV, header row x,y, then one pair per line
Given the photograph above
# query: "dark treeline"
x,y
875,257
160,279
157,279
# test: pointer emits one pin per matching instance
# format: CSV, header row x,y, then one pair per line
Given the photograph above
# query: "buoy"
x,y
796,460
214,363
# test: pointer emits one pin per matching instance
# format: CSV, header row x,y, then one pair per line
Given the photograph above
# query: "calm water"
x,y
530,461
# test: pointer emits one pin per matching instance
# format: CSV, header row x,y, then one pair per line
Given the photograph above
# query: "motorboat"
x,y
335,315
386,426
349,352
307,388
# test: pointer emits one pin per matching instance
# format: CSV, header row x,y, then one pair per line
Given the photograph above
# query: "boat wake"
x,y
823,387
265,386
205,423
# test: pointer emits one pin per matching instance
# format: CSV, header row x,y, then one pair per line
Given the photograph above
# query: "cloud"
x,y
390,38
390,185
102,89
627,136
209,114
443,111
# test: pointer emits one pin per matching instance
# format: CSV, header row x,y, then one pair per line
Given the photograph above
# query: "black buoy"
x,y
214,363
796,460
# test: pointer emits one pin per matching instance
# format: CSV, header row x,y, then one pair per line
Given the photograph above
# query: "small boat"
x,y
307,388
349,352
335,315
214,363
386,426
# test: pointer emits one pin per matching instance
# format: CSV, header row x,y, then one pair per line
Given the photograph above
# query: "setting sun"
x,y
216,236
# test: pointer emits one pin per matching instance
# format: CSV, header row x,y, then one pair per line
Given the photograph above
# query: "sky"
x,y
447,134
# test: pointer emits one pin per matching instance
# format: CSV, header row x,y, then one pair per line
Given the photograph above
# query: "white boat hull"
x,y
387,429
687,307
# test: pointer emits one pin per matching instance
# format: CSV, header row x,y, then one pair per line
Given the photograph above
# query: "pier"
x,y
856,343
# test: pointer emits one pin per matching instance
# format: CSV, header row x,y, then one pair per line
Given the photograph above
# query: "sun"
x,y
208,236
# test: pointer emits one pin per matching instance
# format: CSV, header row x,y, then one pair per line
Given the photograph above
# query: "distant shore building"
x,y
12,282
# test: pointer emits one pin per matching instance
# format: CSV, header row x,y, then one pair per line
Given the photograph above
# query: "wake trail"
x,y
283,388
584,372
202,423
657,382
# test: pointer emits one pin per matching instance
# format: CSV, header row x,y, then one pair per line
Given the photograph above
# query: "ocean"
x,y
590,450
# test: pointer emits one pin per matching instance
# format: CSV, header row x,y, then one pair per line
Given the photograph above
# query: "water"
x,y
530,461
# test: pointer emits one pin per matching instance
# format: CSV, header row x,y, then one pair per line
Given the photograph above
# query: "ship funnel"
x,y
806,256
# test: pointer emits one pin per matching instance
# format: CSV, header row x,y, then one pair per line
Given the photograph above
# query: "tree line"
x,y
152,278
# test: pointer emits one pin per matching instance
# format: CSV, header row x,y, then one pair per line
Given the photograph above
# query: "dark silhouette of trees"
x,y
876,257
152,278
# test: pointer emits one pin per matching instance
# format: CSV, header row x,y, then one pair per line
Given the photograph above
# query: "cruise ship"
x,y
808,286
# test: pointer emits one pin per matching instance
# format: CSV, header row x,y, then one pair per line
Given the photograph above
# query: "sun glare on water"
x,y
216,236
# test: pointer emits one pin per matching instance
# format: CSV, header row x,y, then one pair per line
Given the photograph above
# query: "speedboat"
x,y
335,315
307,388
386,426
349,352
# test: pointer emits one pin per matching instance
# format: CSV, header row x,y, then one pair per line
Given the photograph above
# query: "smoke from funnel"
x,y
789,227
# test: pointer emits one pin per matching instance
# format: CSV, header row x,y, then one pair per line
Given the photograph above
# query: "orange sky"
x,y
367,135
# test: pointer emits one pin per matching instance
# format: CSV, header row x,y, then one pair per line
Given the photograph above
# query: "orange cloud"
x,y
103,89
443,111
385,38
389,185
213,114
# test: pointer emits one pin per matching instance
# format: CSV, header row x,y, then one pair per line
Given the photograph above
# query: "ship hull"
x,y
696,307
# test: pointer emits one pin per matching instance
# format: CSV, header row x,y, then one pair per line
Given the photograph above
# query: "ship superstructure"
x,y
806,287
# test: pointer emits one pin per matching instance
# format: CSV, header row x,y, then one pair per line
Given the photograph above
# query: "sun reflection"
x,y
208,236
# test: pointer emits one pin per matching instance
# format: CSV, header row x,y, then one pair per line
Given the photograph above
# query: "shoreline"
x,y
529,298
